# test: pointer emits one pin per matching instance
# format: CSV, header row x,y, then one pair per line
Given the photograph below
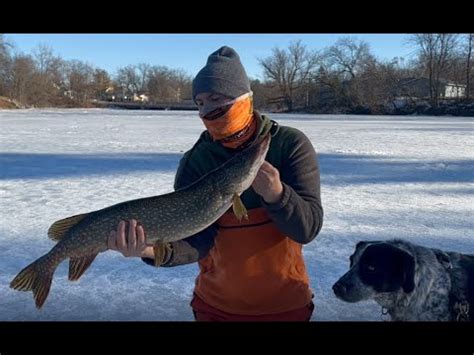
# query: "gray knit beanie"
x,y
222,74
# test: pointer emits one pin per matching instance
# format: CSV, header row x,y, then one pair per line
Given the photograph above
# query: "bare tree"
x,y
129,80
143,70
101,82
79,81
158,84
23,71
183,83
168,85
5,65
348,56
469,64
290,69
435,51
43,56
4,48
48,82
264,94
379,84
343,65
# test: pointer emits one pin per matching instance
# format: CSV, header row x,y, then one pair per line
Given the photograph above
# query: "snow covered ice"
x,y
381,177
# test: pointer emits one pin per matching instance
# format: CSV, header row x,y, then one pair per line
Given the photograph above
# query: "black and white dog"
x,y
410,282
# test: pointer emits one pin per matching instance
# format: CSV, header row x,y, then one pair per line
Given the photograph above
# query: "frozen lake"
x,y
381,178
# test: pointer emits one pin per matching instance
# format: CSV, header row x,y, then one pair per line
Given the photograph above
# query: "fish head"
x,y
239,172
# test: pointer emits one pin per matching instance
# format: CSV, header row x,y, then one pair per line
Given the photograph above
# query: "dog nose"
x,y
339,288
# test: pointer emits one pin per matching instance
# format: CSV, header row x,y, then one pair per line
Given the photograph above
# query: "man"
x,y
251,270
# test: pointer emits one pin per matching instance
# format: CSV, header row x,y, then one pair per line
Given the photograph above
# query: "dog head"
x,y
376,267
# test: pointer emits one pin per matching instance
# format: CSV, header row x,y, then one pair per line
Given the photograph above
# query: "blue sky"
x,y
189,51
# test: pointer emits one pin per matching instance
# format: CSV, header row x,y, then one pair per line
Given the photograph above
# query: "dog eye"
x,y
371,268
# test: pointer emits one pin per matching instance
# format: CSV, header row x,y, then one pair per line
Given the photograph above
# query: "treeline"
x,y
43,79
347,78
343,78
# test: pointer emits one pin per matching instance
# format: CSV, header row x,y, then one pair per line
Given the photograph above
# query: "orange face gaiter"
x,y
236,125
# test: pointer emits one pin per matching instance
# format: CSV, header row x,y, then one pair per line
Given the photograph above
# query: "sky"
x,y
189,51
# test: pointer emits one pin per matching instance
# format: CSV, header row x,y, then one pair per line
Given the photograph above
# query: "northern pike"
x,y
165,218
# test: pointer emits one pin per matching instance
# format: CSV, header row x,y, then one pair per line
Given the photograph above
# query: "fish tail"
x,y
36,277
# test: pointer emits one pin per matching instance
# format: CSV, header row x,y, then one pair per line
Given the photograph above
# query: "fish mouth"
x,y
258,148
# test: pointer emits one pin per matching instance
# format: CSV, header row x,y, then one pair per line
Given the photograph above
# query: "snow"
x,y
381,178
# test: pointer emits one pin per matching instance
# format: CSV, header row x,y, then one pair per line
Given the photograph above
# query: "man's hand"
x,y
131,244
267,183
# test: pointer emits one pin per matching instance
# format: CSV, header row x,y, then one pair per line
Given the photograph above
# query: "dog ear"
x,y
409,272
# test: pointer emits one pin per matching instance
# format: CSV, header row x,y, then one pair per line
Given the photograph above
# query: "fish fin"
x,y
162,251
159,249
37,278
239,209
77,266
59,228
